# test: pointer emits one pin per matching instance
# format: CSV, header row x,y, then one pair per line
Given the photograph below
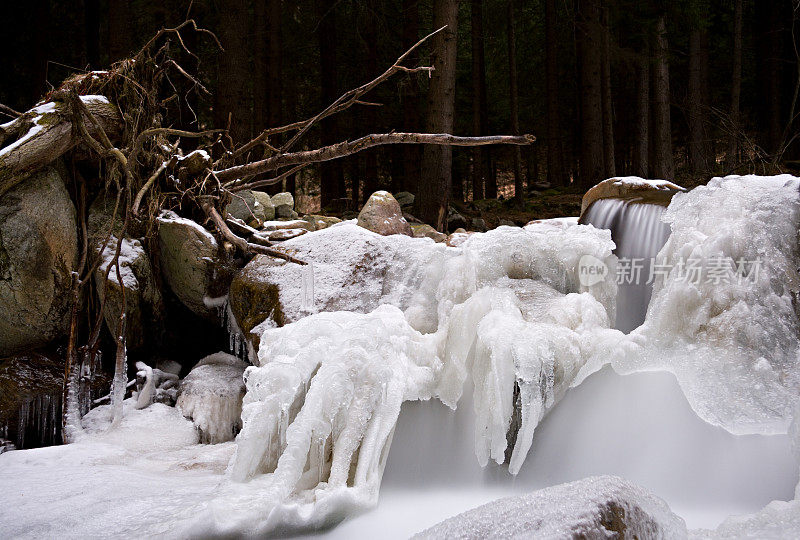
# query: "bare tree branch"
x,y
347,148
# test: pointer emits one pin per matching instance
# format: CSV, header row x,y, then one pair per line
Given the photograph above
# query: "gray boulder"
x,y
382,214
404,198
455,220
144,307
244,206
188,255
38,253
265,208
283,197
284,211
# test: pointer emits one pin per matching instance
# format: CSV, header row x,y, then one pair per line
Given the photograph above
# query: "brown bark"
x,y
519,188
590,56
640,157
608,109
370,113
347,148
436,177
411,99
331,175
232,98
698,106
555,163
736,86
663,165
481,167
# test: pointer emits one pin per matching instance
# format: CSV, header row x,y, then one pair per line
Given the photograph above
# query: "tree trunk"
x,y
370,34
331,174
608,109
231,96
772,74
119,25
736,87
261,67
590,57
92,32
640,165
436,176
663,164
481,166
555,162
699,155
519,188
411,100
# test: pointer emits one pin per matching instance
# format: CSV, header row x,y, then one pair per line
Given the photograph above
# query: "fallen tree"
x,y
117,123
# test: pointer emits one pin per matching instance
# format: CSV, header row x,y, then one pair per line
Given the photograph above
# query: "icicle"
x,y
307,293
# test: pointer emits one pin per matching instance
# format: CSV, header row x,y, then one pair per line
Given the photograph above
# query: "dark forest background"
x,y
681,90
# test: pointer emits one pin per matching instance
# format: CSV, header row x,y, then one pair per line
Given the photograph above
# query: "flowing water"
x,y
639,234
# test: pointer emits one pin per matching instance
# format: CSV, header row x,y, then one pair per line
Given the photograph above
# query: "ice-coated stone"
x,y
211,396
631,187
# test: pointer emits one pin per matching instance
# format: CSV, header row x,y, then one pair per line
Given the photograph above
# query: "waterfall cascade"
x,y
639,234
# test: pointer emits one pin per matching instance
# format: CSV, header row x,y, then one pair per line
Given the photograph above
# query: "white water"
x,y
637,426
639,234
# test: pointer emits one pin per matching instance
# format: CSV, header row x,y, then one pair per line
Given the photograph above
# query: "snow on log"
x,y
45,133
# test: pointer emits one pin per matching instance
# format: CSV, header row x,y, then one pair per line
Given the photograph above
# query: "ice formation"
x,y
722,316
211,396
506,310
595,507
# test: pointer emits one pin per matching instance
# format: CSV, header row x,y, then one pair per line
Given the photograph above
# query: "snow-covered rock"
x,y
143,301
595,507
631,187
38,252
383,215
211,396
188,255
423,230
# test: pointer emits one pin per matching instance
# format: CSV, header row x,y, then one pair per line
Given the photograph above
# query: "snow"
x,y
211,396
661,185
594,507
168,216
131,249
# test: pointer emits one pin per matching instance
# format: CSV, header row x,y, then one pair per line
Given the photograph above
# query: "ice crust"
x,y
211,396
595,507
505,309
732,343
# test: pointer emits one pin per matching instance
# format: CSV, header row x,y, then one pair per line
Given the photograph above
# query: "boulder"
x,y
404,198
352,269
282,198
423,230
211,396
188,258
265,208
506,223
284,211
245,206
455,220
595,507
382,214
38,253
479,225
632,188
321,222
144,306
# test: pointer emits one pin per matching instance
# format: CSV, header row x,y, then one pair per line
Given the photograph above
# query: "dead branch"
x,y
233,187
347,148
8,111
